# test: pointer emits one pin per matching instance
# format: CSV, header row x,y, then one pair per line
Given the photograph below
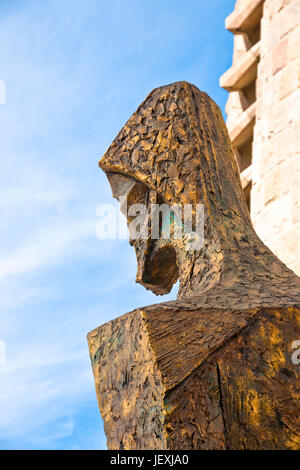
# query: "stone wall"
x,y
263,111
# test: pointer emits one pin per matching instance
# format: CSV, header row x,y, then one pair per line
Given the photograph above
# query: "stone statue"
x,y
213,369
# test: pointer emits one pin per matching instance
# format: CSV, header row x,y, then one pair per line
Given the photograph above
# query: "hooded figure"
x,y
214,369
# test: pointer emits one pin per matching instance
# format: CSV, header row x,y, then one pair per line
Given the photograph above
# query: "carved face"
x,y
156,259
175,149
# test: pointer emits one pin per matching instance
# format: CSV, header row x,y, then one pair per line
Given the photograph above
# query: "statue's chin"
x,y
159,270
156,289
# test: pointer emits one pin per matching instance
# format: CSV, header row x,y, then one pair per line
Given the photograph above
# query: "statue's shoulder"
x,y
184,336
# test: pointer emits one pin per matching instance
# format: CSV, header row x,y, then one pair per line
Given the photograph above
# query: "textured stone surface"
x,y
243,72
244,16
129,389
212,369
275,133
247,394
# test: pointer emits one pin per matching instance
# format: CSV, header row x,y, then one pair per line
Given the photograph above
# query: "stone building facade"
x,y
263,112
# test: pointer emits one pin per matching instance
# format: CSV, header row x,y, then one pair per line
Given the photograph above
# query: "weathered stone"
x,y
271,218
289,18
293,45
242,73
242,44
276,133
282,4
245,16
272,185
279,56
213,369
288,242
289,79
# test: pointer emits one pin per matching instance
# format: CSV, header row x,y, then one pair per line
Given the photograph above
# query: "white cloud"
x,y
47,247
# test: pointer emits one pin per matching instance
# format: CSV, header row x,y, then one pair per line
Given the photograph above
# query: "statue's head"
x,y
174,150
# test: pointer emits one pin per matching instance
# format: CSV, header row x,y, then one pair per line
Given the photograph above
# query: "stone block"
x,y
245,16
274,122
270,35
295,207
270,94
279,56
280,4
235,106
293,49
289,18
296,138
272,185
292,107
257,199
295,204
289,79
281,146
242,128
295,267
268,224
275,152
243,72
241,44
287,245
265,68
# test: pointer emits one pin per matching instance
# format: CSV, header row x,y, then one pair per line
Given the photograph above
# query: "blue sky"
x,y
75,71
